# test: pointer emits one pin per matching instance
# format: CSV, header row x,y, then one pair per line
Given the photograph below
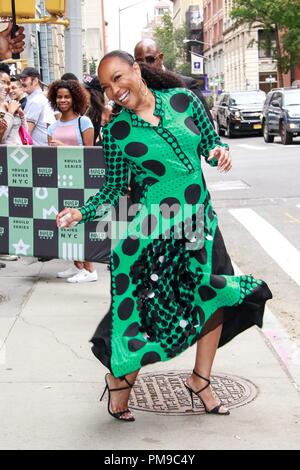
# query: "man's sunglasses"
x,y
149,59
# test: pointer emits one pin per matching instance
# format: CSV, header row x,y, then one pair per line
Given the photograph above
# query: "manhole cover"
x,y
165,393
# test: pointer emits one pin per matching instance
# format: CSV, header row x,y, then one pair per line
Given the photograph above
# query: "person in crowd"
x,y
147,51
38,112
172,281
69,76
96,106
11,118
9,46
73,128
14,116
5,78
3,124
17,92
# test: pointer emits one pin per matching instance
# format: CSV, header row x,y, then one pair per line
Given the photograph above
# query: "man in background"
x,y
147,51
17,92
38,112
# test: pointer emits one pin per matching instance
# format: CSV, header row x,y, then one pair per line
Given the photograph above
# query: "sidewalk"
x,y
50,381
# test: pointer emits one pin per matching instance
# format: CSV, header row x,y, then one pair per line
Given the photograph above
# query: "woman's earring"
x,y
145,92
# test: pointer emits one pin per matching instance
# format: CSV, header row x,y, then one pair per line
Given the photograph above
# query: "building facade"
x,y
248,62
213,18
93,34
161,7
44,47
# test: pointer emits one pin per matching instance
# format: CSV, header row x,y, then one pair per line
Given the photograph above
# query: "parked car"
x,y
281,115
240,113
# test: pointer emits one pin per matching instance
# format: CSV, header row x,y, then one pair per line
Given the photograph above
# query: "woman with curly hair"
x,y
70,98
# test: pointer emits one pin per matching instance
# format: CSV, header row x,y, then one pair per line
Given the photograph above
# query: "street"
x,y
269,176
51,382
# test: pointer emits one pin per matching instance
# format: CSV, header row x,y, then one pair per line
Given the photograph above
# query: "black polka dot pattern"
x,y
218,282
136,149
206,293
133,329
135,345
192,194
130,246
150,358
120,130
125,308
180,102
122,283
157,167
191,126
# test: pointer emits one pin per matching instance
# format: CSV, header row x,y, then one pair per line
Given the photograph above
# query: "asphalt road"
x,y
258,205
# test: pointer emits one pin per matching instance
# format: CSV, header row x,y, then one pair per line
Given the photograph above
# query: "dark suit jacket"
x,y
192,85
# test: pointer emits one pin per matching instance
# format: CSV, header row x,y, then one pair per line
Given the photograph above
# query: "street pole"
x,y
73,39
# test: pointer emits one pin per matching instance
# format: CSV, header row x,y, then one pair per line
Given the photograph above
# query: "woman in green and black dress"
x,y
172,281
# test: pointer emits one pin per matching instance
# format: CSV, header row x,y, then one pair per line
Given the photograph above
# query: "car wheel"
x,y
285,135
220,131
229,132
267,137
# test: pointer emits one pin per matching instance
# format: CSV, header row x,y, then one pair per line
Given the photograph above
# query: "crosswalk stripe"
x,y
275,244
251,147
277,335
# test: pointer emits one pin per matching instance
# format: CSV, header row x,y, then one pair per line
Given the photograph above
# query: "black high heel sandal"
x,y
216,409
119,414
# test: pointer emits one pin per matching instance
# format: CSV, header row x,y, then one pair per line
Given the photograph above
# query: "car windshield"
x,y
247,98
292,98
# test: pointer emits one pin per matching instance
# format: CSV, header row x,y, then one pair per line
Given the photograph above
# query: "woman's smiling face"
x,y
64,100
121,81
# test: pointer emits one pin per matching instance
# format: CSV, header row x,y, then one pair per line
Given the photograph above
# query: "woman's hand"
x,y
56,143
223,157
21,113
13,106
3,127
67,218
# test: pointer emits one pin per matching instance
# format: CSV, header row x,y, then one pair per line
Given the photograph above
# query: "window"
x,y
266,43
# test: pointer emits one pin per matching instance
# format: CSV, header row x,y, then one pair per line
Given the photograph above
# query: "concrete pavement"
x,y
50,382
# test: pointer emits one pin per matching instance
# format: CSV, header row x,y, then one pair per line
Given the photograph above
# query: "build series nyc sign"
x,y
35,184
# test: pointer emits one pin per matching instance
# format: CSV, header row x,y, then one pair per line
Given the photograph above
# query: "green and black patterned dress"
x,y
170,273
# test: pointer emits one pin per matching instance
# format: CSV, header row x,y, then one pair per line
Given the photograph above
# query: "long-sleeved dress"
x,y
170,273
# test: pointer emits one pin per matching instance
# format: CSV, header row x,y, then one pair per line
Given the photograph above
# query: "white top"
x,y
68,132
11,136
39,111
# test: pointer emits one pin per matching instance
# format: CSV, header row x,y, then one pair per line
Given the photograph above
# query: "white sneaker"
x,y
9,257
27,260
83,276
68,272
